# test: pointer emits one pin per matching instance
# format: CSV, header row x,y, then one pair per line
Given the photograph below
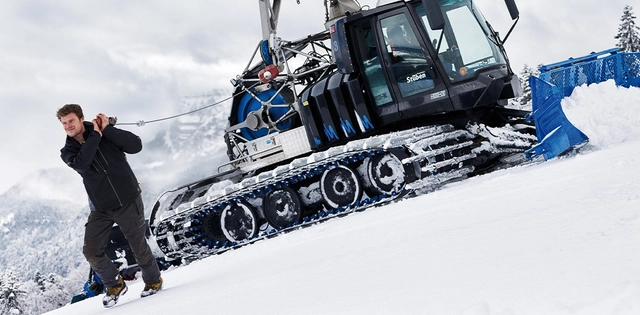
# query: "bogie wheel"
x,y
212,227
282,207
238,222
340,186
385,173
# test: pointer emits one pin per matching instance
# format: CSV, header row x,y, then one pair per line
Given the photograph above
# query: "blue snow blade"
x,y
556,134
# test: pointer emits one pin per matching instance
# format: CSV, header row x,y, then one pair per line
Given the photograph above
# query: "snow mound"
x,y
606,113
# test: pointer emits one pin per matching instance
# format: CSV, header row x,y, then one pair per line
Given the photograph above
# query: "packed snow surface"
x,y
558,237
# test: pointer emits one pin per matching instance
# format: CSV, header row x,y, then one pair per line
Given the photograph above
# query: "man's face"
x,y
72,125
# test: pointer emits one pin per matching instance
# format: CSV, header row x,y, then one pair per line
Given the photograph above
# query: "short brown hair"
x,y
68,109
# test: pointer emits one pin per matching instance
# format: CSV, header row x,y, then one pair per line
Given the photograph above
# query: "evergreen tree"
x,y
54,295
40,280
525,74
43,294
10,294
629,40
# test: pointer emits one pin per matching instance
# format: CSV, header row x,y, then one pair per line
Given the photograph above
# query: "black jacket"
x,y
101,161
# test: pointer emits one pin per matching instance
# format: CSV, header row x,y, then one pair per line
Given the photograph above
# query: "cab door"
x,y
370,52
417,86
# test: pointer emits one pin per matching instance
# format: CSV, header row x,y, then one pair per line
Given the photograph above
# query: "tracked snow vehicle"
x,y
382,104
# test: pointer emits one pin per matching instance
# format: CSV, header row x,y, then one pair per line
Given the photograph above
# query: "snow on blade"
x,y
606,113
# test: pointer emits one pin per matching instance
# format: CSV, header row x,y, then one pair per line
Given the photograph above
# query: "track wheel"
x,y
385,173
340,186
238,222
212,227
282,207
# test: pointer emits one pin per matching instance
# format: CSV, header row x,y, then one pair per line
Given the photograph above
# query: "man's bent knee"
x,y
92,254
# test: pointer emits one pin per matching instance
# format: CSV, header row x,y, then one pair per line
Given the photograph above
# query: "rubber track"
x,y
181,234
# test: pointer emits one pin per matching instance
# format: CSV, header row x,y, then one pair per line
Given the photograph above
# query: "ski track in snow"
x,y
559,237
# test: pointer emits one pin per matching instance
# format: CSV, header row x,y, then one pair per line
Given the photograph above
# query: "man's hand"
x,y
103,119
97,126
100,122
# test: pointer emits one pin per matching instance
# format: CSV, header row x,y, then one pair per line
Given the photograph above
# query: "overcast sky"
x,y
137,59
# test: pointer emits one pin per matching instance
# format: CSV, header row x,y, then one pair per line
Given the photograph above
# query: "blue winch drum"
x,y
249,104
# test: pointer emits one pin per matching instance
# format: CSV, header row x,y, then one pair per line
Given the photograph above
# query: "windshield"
x,y
467,44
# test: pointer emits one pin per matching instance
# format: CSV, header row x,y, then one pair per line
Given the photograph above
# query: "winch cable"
x,y
141,123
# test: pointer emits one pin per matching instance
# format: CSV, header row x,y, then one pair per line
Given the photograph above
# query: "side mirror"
x,y
513,9
434,14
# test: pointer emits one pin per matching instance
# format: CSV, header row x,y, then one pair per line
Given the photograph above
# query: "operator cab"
x,y
411,70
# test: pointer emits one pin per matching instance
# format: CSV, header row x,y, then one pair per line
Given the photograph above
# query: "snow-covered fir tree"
x,y
10,293
40,295
628,38
525,74
43,294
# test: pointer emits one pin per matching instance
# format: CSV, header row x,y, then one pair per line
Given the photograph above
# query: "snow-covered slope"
x,y
559,237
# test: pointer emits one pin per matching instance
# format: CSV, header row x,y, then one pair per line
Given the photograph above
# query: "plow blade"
x,y
556,134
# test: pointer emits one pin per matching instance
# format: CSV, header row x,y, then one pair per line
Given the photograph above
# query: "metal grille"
x,y
623,68
631,63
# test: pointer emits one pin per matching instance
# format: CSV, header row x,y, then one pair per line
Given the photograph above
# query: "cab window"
x,y
467,45
371,65
411,68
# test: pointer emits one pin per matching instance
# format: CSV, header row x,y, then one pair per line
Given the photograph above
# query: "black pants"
x,y
130,218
